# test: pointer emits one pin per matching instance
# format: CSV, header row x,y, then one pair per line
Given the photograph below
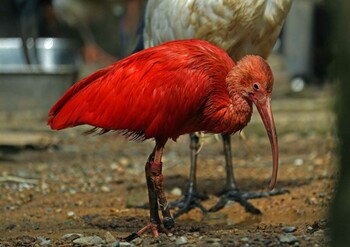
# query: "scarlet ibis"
x,y
166,91
240,27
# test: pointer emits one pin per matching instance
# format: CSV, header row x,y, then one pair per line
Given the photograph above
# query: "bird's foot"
x,y
187,203
168,224
150,226
242,198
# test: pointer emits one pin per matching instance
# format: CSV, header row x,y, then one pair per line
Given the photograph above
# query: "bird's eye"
x,y
256,86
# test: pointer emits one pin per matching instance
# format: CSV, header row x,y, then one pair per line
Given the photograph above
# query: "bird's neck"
x,y
240,106
241,111
229,115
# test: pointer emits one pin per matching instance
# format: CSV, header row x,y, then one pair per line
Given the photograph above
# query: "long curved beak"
x,y
264,107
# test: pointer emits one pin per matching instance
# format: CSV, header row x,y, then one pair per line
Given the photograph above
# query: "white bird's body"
x,y
238,26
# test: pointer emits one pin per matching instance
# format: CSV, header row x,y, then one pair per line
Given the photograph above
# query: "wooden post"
x,y
340,210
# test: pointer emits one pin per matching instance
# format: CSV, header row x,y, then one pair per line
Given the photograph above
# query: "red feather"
x,y
161,92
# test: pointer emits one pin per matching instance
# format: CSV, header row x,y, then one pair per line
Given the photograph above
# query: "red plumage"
x,y
162,92
166,91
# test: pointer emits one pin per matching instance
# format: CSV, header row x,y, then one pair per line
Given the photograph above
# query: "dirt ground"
x,y
56,187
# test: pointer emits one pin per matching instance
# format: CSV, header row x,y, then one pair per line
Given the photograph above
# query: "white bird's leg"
x,y
191,198
230,178
192,185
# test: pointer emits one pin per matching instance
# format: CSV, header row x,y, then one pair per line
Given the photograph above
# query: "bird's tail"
x,y
61,115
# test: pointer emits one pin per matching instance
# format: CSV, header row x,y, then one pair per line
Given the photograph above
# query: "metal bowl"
x,y
35,86
57,51
11,51
46,52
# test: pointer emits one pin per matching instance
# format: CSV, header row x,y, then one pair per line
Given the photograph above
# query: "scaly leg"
x,y
231,192
192,198
156,196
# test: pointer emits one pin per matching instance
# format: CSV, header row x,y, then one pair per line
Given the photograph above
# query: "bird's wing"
x,y
153,93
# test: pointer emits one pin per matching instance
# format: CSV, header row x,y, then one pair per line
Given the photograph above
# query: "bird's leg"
x,y
230,178
157,180
152,197
156,196
231,191
192,197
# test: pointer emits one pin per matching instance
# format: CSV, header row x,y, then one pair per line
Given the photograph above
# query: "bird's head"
x,y
252,78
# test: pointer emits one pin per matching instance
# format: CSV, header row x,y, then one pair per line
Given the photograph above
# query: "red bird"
x,y
240,27
166,91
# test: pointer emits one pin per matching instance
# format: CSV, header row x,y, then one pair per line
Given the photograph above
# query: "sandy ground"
x,y
58,187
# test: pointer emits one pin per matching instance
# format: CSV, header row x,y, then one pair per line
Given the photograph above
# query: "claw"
x,y
149,226
242,198
189,202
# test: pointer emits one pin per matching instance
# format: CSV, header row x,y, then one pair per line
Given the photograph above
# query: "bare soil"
x,y
58,183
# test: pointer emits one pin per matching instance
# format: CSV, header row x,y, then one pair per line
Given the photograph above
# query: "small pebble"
x,y
88,240
124,161
109,238
137,241
196,234
176,191
172,238
71,236
114,166
105,188
319,233
298,162
72,191
288,239
115,244
124,244
289,229
311,231
181,240
43,241
245,239
213,240
70,214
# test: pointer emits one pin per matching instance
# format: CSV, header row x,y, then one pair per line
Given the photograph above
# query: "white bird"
x,y
240,27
